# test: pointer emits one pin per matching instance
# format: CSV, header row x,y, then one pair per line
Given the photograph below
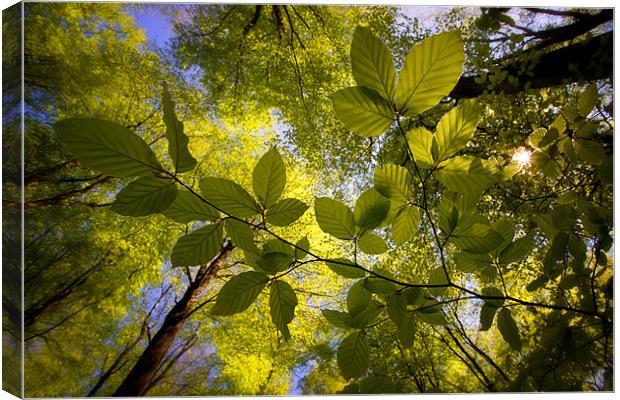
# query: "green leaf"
x,y
241,235
198,247
177,140
278,246
467,262
377,385
516,250
406,329
358,298
434,318
412,294
505,228
372,63
537,283
393,182
187,207
344,270
397,307
275,262
334,218
282,302
285,212
420,142
337,318
405,225
456,128
487,314
557,252
252,259
493,291
367,316
353,355
363,111
477,238
589,151
508,329
378,285
536,137
437,277
269,178
229,197
239,293
587,100
145,196
371,209
107,147
465,174
430,71
370,243
304,245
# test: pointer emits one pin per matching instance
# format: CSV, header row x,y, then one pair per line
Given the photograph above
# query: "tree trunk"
x,y
138,379
585,61
34,312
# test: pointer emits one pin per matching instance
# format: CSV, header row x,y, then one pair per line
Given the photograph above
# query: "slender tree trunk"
x,y
34,312
120,360
139,378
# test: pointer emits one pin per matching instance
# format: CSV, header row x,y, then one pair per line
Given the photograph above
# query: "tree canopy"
x,y
300,199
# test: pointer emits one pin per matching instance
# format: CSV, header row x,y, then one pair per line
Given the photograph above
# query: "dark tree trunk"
x,y
588,60
139,378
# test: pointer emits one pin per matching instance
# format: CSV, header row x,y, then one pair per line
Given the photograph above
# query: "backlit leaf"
x,y
269,178
358,298
334,218
363,111
393,182
177,140
406,329
304,245
371,243
285,212
282,302
187,207
241,235
228,197
430,71
371,209
344,270
239,293
465,174
508,329
456,128
107,147
275,262
420,142
198,247
405,225
145,196
371,63
337,318
438,277
353,355
487,314
517,250
587,100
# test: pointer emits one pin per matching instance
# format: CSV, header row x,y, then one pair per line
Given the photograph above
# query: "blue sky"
x,y
157,26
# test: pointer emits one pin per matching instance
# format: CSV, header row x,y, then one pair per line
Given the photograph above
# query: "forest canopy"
x,y
308,199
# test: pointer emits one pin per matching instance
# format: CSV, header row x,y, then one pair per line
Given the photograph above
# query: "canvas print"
x,y
222,199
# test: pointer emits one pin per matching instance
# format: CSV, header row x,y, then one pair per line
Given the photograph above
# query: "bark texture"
x,y
137,381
